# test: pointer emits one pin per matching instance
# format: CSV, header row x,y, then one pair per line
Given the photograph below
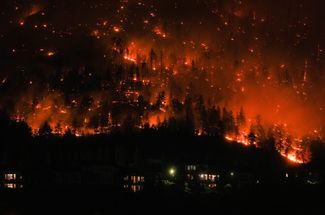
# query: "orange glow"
x,y
50,53
241,138
34,10
293,158
116,29
158,31
128,58
155,119
59,117
290,147
217,79
230,139
239,13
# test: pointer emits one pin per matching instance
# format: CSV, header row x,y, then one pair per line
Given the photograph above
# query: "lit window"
x,y
137,179
191,168
133,179
136,188
204,177
10,186
212,185
212,177
190,177
10,176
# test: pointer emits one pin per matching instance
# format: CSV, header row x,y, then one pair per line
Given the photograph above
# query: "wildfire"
x,y
129,58
241,138
294,149
293,158
155,119
116,29
158,31
230,139
50,53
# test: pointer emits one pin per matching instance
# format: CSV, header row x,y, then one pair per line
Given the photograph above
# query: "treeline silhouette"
x,y
171,142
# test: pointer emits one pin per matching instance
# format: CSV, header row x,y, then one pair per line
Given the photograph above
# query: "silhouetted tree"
x,y
228,120
177,106
241,119
258,131
214,120
189,116
45,130
160,100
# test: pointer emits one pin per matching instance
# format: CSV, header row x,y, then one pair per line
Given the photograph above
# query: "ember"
x,y
220,72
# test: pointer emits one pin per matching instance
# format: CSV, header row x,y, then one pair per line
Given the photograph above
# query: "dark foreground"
x,y
272,200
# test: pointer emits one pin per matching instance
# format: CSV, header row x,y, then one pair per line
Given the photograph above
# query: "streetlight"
x,y
172,172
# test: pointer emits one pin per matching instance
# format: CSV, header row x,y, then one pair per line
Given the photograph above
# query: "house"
x,y
11,180
200,178
133,182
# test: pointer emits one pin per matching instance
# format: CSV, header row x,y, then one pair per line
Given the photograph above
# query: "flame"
x,y
116,29
241,138
289,146
129,58
187,64
50,53
293,158
154,120
229,138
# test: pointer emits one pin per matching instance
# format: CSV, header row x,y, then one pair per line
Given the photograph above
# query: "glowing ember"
x,y
157,30
241,138
229,138
231,55
50,53
293,158
294,149
116,29
128,58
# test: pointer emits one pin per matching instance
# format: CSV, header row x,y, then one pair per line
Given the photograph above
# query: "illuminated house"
x,y
208,181
12,180
133,182
190,171
202,178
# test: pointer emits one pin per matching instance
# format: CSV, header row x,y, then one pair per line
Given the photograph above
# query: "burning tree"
x,y
295,149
